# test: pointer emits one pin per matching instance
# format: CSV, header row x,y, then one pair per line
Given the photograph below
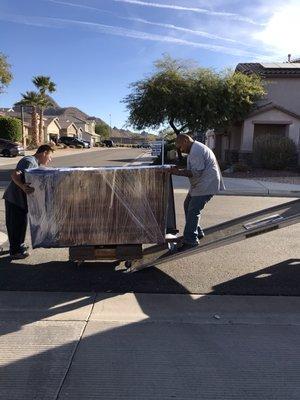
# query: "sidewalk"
x,y
246,187
74,346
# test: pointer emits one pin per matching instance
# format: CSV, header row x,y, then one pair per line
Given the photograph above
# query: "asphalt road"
x,y
267,265
102,157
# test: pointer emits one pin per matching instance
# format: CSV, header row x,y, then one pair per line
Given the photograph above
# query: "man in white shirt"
x,y
205,180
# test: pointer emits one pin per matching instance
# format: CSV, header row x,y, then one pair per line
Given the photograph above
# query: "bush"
x,y
273,152
79,146
240,167
10,129
223,165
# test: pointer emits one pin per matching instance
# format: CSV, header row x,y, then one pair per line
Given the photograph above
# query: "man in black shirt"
x,y
15,198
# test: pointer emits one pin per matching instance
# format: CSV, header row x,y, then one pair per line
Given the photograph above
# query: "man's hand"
x,y
173,170
27,188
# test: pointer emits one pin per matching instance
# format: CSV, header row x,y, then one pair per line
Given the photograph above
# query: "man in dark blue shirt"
x,y
15,198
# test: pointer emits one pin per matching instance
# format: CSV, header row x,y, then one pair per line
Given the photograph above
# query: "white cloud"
x,y
64,3
123,32
184,30
195,32
232,16
282,31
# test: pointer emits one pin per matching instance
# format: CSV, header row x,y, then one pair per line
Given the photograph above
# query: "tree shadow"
x,y
282,279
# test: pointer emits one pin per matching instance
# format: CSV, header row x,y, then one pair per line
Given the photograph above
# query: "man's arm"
x,y
181,172
16,176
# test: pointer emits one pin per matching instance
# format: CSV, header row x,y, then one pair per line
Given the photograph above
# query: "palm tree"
x,y
32,99
44,85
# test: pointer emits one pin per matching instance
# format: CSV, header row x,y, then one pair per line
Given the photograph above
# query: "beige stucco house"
x,y
67,128
86,129
278,113
52,129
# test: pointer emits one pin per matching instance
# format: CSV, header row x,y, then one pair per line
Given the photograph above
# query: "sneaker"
x,y
187,246
200,236
20,256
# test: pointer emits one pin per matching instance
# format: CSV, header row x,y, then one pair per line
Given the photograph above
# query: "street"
x,y
263,265
220,325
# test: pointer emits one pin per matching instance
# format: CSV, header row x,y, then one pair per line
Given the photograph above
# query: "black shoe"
x,y
200,236
187,246
20,256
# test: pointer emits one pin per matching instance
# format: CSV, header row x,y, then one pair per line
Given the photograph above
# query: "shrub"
x,y
240,167
10,129
273,152
79,146
223,165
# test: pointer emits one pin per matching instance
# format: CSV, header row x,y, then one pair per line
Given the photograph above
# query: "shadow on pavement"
x,y
153,358
64,276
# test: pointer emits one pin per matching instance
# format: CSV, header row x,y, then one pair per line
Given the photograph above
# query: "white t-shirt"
x,y
207,178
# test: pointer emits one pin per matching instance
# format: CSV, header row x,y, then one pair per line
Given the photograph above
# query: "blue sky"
x,y
93,49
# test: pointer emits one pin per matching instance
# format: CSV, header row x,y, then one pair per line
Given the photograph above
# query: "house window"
x,y
270,129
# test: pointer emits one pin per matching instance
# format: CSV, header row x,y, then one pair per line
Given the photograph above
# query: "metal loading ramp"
x,y
223,234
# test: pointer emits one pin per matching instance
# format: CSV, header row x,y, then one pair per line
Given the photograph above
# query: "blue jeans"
x,y
192,209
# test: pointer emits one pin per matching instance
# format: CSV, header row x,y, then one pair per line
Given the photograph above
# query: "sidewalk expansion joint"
x,y
75,350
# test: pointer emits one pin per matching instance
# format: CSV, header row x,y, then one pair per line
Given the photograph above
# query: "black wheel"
x,y
6,153
128,264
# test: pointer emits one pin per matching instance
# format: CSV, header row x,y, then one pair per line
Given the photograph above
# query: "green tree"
x,y
44,86
189,98
5,72
32,99
10,129
103,130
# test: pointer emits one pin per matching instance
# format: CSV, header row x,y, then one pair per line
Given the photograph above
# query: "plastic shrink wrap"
x,y
99,206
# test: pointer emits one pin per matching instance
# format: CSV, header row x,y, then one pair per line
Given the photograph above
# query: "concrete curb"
x,y
266,193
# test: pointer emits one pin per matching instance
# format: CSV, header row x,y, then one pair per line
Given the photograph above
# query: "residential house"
x,y
84,123
278,113
67,128
86,129
52,129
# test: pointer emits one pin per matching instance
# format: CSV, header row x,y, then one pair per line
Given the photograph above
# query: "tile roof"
x,y
270,106
65,123
286,70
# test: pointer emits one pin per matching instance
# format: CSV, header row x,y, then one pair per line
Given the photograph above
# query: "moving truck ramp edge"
x,y
235,230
